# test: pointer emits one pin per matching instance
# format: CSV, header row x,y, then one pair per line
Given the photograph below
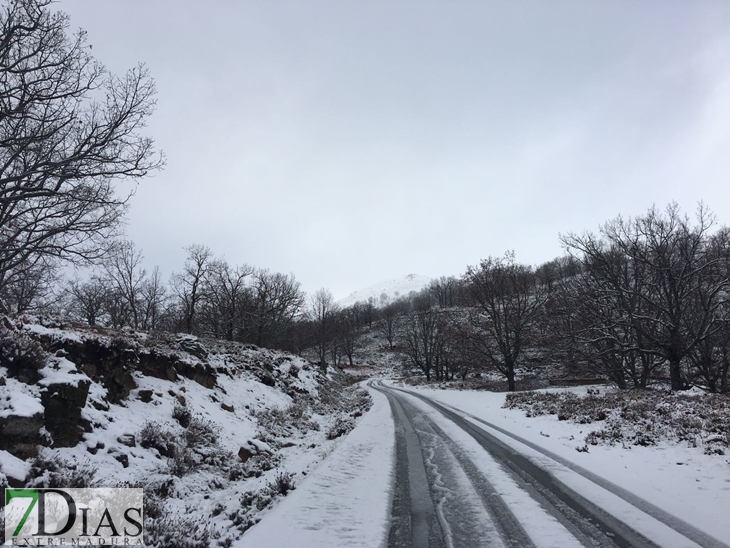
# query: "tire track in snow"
x,y
499,526
476,511
443,491
425,528
484,438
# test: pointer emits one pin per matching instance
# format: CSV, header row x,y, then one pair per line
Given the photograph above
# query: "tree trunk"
x,y
675,375
511,377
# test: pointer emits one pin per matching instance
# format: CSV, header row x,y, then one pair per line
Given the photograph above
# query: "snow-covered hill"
x,y
388,291
213,431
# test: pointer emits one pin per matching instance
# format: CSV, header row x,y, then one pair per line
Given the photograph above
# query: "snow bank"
x,y
346,500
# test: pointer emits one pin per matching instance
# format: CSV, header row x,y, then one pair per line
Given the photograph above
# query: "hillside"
x,y
214,431
387,291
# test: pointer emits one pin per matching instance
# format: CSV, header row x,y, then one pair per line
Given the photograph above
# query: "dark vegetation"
x,y
645,301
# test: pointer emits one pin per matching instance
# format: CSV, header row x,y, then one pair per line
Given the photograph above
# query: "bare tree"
x,y
508,299
275,300
595,320
68,129
391,316
420,339
190,284
152,300
322,315
444,291
89,299
33,289
227,298
124,270
687,283
348,337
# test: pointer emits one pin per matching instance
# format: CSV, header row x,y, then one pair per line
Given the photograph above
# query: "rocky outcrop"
x,y
108,362
63,404
193,347
168,366
20,435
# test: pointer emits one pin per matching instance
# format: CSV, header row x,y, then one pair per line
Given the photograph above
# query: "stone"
x,y
228,408
123,459
20,436
193,347
127,439
119,384
245,453
63,404
268,380
145,396
100,405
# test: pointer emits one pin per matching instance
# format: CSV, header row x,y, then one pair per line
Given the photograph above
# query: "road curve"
x,y
443,498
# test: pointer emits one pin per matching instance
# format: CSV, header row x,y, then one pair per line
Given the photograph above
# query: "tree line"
x,y
644,298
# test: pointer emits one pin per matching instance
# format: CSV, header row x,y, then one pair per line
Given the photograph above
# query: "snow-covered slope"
x,y
388,291
213,431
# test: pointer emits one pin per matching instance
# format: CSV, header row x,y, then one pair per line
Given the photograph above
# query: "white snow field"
x,y
346,500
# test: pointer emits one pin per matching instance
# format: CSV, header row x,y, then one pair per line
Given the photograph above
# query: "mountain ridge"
x,y
387,291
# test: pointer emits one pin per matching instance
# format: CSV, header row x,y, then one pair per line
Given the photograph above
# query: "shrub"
x,y
22,355
177,532
201,433
183,462
51,471
182,415
282,484
157,436
637,417
341,426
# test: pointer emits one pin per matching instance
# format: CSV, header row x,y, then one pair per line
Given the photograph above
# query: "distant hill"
x,y
388,291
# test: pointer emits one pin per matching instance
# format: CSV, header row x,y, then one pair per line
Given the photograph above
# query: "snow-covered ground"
x,y
346,500
680,480
214,432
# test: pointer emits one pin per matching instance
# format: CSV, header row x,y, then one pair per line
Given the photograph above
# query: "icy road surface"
x,y
419,473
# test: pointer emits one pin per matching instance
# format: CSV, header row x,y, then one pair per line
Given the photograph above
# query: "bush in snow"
x,y
182,415
183,462
282,484
155,435
341,426
51,471
177,532
637,417
282,423
201,433
22,355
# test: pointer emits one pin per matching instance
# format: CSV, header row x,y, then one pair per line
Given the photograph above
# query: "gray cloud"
x,y
349,142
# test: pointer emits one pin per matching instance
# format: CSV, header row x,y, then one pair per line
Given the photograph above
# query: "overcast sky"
x,y
350,142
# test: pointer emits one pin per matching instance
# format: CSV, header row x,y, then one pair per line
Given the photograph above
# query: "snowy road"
x,y
418,472
460,481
